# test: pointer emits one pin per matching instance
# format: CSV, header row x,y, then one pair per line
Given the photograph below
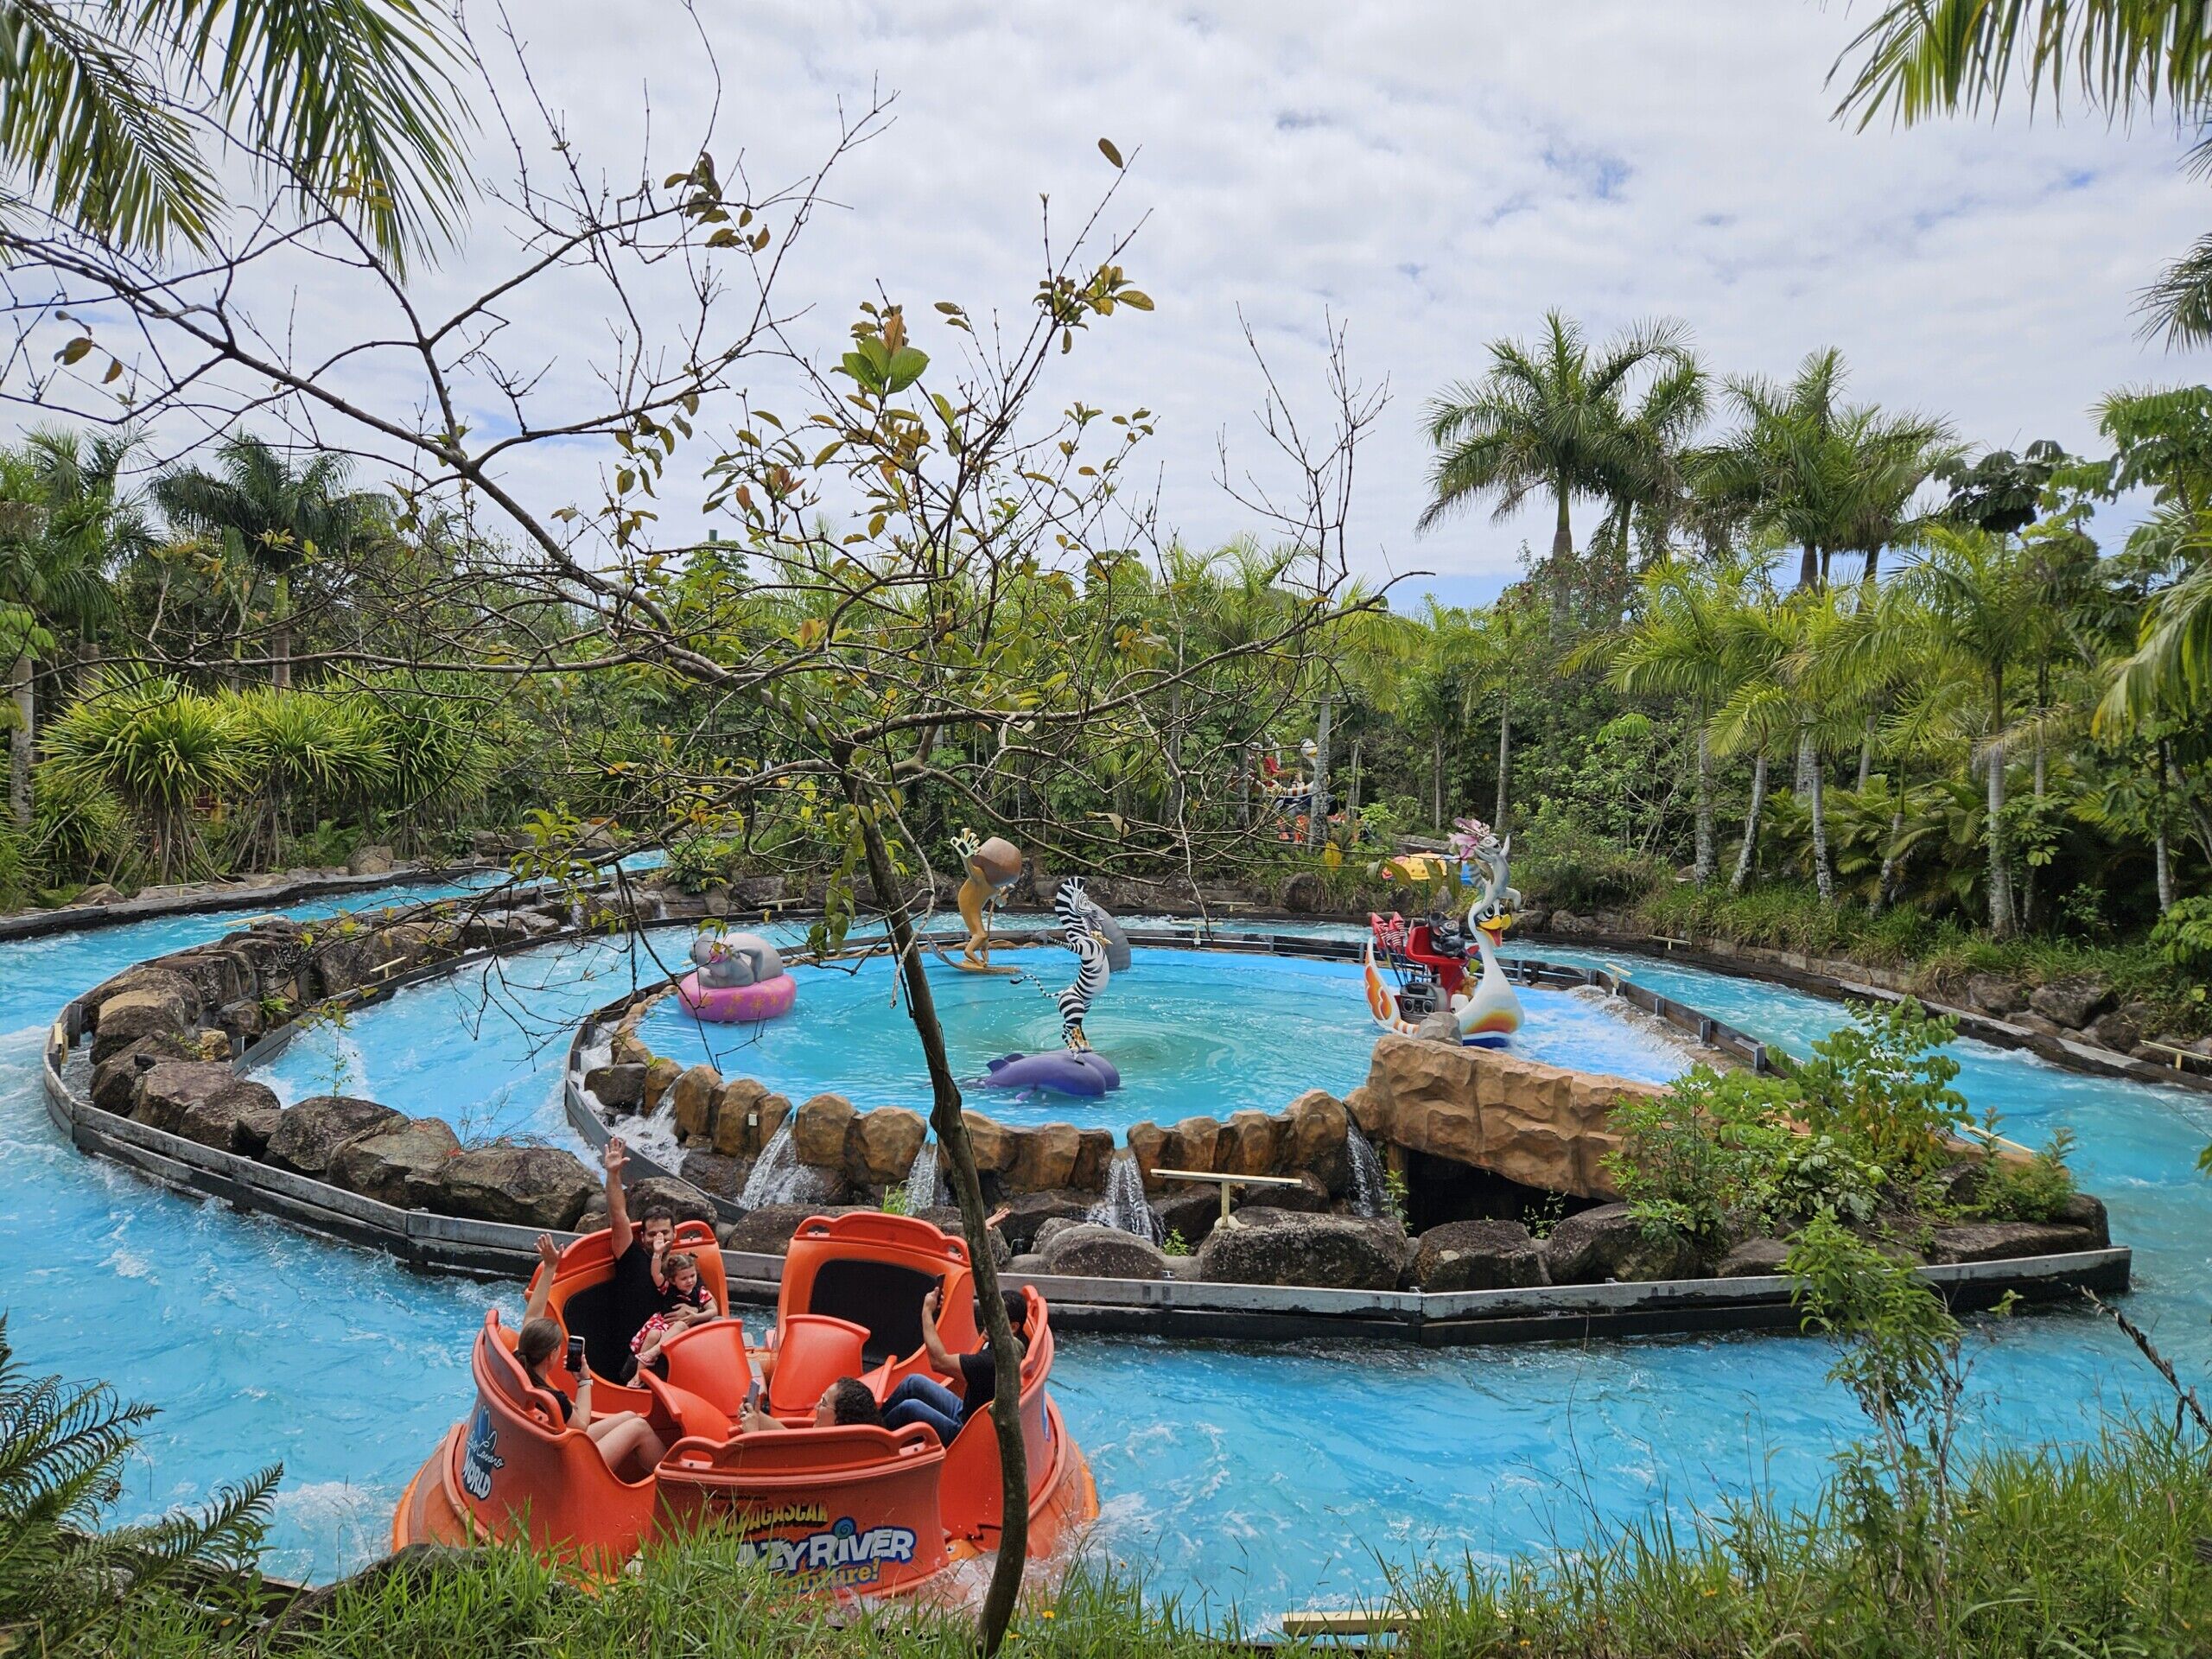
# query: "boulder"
x,y
946,1218
369,861
98,893
1273,1247
990,1141
714,1172
1994,995
114,1080
1085,1250
1151,1146
1249,1144
746,1117
2086,1211
1193,1142
527,1187
1477,1256
1368,1109
399,1165
1028,1211
148,1010
661,1073
1540,1125
629,1049
1044,1157
239,1119
2072,1001
1607,1242
2001,1241
1313,1129
1308,1198
1438,1027
2117,1030
767,1231
2034,1025
1306,894
166,1089
156,977
688,1203
1188,1209
881,1145
311,1133
818,1131
694,1097
1094,1157
1755,1258
619,1087
1025,1267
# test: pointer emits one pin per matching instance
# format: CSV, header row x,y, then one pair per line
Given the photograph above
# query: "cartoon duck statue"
x,y
1489,1013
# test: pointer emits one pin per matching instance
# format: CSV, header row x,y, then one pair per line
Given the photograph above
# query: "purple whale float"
x,y
1082,1071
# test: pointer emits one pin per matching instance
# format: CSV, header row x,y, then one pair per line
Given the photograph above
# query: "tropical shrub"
x,y
439,760
1702,1159
78,828
1817,1176
160,748
1561,861
302,750
1881,1086
2035,1190
2183,936
65,1585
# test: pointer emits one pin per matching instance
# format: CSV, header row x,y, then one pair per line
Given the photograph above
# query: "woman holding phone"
x,y
624,1436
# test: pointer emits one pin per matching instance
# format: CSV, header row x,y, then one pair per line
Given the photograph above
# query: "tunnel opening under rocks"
x,y
1441,1190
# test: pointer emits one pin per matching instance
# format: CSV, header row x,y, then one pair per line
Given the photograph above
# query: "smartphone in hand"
x,y
576,1357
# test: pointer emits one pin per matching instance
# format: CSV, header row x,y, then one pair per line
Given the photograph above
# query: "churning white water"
x,y
1367,1189
1125,1206
779,1177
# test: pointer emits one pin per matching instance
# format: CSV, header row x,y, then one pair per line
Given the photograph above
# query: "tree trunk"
x,y
1706,859
1504,758
946,1117
1823,877
280,670
2165,872
1351,794
1436,779
1750,827
1808,566
1317,805
1807,765
21,740
1562,559
2000,874
1866,755
1882,883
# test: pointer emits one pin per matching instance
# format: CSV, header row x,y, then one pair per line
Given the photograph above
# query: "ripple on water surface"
x,y
1248,1478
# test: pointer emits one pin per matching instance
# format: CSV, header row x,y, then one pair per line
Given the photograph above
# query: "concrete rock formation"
x,y
311,1132
1276,1247
1540,1125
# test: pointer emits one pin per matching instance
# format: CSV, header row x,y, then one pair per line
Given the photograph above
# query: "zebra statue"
x,y
1078,924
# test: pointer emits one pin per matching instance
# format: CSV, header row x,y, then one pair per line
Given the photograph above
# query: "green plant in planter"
x,y
1700,1159
1881,1085
1817,1176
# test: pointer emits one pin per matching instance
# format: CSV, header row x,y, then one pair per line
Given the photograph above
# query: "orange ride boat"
x,y
872,1512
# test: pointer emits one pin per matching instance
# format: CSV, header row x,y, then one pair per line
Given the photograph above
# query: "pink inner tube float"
x,y
731,1005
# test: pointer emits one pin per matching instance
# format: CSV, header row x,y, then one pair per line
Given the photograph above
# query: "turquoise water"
x,y
1257,1479
1191,1033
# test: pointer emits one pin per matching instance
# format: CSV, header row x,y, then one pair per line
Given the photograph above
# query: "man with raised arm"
x,y
634,1292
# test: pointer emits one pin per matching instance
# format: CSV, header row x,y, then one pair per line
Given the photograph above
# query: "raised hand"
x,y
548,1251
615,1155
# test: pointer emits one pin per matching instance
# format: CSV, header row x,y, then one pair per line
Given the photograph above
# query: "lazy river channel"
x,y
1245,1481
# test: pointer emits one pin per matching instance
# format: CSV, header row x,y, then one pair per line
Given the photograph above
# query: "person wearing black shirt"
x,y
634,1292
924,1400
622,1437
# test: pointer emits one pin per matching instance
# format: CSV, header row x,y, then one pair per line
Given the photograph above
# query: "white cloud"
x,y
1432,175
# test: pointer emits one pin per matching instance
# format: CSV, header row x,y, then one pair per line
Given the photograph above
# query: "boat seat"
x,y
505,1373
815,1351
711,1362
883,1298
687,1415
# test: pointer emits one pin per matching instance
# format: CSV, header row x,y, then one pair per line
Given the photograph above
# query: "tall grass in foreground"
x,y
2087,1552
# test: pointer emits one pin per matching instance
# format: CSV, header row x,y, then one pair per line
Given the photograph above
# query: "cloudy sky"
x,y
1433,176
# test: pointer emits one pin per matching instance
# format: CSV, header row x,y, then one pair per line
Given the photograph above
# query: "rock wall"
x,y
1542,1126
163,1032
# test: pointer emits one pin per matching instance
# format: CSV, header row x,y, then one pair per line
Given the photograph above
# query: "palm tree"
x,y
1651,494
269,517
1686,641
99,110
64,524
1975,612
1545,420
1818,474
1920,58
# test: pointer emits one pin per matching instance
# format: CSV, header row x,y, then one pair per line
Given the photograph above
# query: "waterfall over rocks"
x,y
921,1183
1367,1193
1125,1207
779,1177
